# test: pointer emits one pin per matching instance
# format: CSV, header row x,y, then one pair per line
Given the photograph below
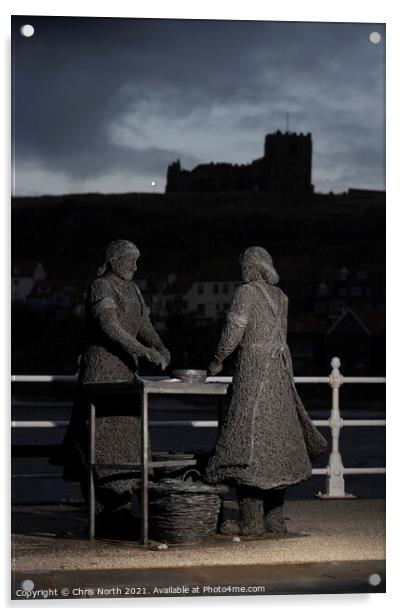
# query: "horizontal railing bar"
x,y
167,423
193,423
42,403
197,423
156,464
316,471
364,471
364,379
363,422
40,424
43,378
37,476
70,378
311,379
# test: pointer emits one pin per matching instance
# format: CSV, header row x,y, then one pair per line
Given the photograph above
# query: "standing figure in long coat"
x,y
267,440
120,332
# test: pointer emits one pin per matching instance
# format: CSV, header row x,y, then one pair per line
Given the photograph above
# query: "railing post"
x,y
335,482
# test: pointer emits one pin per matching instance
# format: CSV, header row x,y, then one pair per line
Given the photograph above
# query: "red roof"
x,y
374,320
304,323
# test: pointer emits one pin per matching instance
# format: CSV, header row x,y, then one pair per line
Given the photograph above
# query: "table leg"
x,y
91,484
220,411
144,469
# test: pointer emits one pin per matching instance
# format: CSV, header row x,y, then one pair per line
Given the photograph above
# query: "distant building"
x,y
57,295
285,169
350,339
367,195
24,275
173,297
358,338
210,299
304,337
202,300
362,289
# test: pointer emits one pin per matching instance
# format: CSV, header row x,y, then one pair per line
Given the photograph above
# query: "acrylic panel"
x,y
198,208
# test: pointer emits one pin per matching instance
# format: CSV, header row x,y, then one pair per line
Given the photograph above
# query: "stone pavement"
x,y
331,545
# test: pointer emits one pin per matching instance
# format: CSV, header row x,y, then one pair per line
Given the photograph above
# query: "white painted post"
x,y
335,482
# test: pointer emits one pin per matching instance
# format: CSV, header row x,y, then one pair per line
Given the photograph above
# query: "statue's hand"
x,y
166,356
154,356
215,367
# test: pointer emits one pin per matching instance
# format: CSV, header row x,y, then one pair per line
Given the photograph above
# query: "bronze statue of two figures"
x,y
266,440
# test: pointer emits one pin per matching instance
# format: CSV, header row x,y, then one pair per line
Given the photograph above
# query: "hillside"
x,y
194,235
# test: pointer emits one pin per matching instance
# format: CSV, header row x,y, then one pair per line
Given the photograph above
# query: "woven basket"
x,y
184,510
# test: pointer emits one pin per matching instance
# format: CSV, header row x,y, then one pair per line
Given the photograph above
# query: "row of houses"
x,y
342,314
316,306
32,290
356,330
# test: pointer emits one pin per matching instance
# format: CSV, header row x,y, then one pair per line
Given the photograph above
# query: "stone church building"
x,y
285,169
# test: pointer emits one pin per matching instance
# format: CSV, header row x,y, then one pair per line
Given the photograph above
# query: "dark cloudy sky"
x,y
106,104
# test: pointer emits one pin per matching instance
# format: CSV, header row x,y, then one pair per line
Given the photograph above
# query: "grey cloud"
x,y
77,77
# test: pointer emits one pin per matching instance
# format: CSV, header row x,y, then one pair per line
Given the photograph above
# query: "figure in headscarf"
x,y
266,441
120,333
119,325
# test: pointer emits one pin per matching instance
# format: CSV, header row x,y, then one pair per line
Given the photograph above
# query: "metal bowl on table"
x,y
190,376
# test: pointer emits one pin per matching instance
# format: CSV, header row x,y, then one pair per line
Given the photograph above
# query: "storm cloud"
x,y
106,104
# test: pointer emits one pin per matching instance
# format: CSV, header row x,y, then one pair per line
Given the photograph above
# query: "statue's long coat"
x,y
266,439
118,321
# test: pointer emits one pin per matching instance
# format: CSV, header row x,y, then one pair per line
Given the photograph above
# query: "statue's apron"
x,y
245,416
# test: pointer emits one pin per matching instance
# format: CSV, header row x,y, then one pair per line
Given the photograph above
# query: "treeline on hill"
x,y
193,235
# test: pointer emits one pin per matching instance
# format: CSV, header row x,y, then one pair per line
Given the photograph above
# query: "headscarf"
x,y
259,257
116,249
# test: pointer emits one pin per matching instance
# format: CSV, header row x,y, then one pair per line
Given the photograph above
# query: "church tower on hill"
x,y
284,170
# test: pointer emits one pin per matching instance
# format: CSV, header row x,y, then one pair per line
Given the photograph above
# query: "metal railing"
x,y
335,471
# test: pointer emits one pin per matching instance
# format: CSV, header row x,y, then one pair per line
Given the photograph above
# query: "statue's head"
x,y
121,258
256,264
